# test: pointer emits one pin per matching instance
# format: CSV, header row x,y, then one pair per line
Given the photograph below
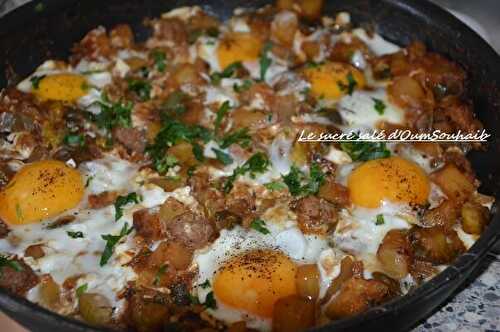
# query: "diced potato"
x,y
146,314
183,152
95,308
356,296
50,293
395,254
407,93
311,9
169,184
346,272
436,244
474,218
307,280
283,28
453,183
170,209
394,286
334,193
243,118
293,314
446,215
237,327
35,251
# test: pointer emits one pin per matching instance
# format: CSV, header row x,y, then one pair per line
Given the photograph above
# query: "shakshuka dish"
x,y
161,185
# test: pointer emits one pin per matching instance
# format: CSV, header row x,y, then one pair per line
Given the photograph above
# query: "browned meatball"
x,y
190,229
147,224
315,215
17,277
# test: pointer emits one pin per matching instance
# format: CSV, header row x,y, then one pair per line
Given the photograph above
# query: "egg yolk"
x,y
332,80
392,179
255,280
62,87
40,190
238,47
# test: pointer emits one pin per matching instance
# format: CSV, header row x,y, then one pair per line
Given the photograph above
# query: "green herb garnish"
x,y
364,151
111,241
124,200
159,58
275,185
113,114
299,184
221,113
258,163
75,235
265,61
198,152
210,302
260,226
351,84
74,140
81,289
141,88
205,285
239,136
35,81
229,71
13,264
380,220
243,87
223,157
379,106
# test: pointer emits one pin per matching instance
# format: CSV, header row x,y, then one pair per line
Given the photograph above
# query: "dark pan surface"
x,y
29,36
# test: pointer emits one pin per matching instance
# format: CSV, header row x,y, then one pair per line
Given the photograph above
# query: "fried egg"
x,y
82,85
248,271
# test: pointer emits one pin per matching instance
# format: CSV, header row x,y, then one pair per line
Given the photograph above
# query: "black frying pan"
x,y
29,35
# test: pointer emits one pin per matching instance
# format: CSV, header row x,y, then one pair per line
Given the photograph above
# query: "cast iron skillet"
x,y
30,35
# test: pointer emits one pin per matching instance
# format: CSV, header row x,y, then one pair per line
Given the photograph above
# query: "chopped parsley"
x,y
205,285
81,289
349,87
260,226
112,241
13,264
364,151
164,164
223,157
239,136
75,235
161,271
299,184
89,179
210,302
124,200
141,88
257,163
159,58
74,140
35,81
379,106
198,152
275,185
265,61
221,113
380,220
242,87
173,132
113,114
229,71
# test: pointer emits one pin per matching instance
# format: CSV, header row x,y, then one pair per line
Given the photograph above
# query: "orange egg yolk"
x,y
62,87
40,190
255,280
392,179
332,80
238,47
